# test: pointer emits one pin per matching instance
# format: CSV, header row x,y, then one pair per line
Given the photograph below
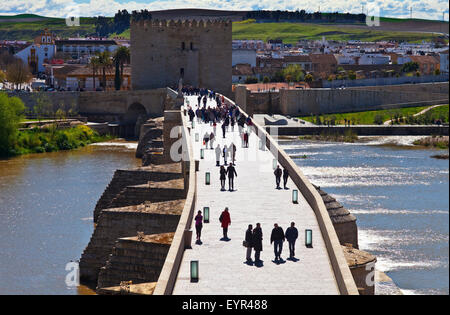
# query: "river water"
x,y
46,206
400,197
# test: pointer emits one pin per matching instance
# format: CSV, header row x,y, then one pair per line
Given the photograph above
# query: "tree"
x,y
117,77
436,72
2,77
105,63
121,57
94,63
18,73
266,79
410,67
11,112
309,78
294,71
43,107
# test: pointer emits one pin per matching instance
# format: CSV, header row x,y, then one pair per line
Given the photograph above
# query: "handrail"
x,y
168,276
343,276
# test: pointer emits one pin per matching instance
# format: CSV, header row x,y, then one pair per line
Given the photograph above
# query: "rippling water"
x,y
46,206
400,197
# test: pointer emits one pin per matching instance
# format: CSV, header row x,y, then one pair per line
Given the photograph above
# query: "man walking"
x,y
225,221
277,238
249,242
285,177
233,153
291,237
231,171
225,154
278,172
257,242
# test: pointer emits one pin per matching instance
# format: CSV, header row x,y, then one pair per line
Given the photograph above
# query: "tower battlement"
x,y
197,50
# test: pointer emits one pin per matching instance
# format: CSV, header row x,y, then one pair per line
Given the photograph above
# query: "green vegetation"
x,y
439,142
333,136
19,28
51,139
292,32
37,140
365,117
13,28
11,112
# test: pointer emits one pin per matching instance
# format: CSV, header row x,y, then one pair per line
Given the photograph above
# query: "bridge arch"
x,y
131,121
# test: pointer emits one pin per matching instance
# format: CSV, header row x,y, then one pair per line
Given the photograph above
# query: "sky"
x,y
424,9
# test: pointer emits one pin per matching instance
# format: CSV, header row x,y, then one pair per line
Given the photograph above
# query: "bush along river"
x,y
400,196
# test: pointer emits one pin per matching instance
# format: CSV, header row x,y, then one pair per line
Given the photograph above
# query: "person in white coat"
x,y
225,154
218,152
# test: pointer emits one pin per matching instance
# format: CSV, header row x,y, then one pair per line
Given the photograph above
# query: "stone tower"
x,y
162,51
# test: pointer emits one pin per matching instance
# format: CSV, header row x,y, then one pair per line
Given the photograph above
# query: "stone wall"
x,y
124,178
123,222
134,260
329,101
163,51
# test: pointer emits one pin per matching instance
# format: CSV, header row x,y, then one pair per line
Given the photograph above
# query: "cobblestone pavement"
x,y
222,266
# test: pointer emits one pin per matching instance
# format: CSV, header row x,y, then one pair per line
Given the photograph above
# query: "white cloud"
x,y
429,9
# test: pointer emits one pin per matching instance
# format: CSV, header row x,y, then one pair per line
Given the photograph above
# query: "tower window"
x,y
183,46
192,46
182,72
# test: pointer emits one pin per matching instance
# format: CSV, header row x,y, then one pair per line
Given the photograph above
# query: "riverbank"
x,y
440,142
51,139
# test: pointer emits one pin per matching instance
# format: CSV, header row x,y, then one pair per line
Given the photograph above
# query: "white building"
x,y
374,59
42,51
244,56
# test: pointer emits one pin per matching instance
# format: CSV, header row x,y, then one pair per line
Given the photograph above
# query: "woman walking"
x,y
223,177
198,226
249,242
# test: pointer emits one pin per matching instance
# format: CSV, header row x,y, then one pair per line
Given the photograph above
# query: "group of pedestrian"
x,y
278,173
254,237
225,222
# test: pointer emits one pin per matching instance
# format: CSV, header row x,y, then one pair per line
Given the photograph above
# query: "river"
x,y
46,206
400,197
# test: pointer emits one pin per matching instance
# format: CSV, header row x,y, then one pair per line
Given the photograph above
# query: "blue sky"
x,y
427,9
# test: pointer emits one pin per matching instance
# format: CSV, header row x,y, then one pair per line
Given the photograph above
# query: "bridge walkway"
x,y
222,267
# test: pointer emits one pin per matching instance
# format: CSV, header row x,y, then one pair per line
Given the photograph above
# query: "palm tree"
x,y
95,64
121,57
105,63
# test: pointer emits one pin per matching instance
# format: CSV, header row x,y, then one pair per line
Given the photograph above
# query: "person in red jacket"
x,y
226,221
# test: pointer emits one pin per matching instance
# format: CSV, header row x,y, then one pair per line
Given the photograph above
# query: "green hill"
x,y
28,26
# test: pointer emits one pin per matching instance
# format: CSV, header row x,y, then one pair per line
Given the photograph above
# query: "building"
x,y
374,59
303,60
75,76
241,72
427,64
243,56
164,51
323,65
83,48
41,51
443,57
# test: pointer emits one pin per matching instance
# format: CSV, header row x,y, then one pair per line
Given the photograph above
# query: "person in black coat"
x,y
278,172
223,176
231,171
249,242
291,237
277,238
257,242
285,177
